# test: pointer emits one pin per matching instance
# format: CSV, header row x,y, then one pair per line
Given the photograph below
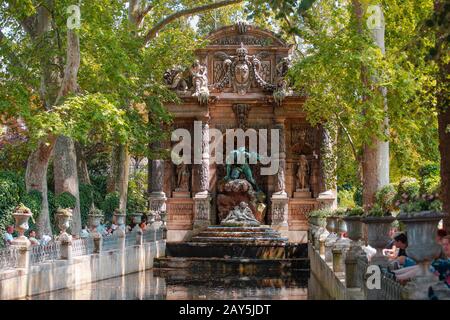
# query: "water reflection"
x,y
149,286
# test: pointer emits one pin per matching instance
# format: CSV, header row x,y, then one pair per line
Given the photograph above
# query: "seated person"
x,y
84,233
7,236
401,242
441,233
32,238
441,266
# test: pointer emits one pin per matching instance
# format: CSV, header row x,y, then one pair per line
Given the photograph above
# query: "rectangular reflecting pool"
x,y
156,285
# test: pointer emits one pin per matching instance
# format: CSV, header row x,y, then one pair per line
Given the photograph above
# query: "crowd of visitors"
x,y
105,229
405,267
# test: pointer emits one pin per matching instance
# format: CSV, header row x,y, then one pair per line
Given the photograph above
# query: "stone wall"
x,y
62,274
324,284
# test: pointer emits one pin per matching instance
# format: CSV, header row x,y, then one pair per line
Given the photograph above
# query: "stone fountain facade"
x,y
239,82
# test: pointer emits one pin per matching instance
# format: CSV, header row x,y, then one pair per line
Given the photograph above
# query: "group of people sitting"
x,y
405,267
8,237
105,229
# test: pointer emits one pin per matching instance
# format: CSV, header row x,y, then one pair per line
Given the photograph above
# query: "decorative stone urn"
x,y
120,218
331,224
137,219
95,217
378,236
21,216
421,228
354,227
64,217
341,227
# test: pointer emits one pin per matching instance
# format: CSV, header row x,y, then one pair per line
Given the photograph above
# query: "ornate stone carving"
x,y
241,215
303,140
199,74
181,214
248,40
241,70
303,172
175,79
242,27
183,175
241,112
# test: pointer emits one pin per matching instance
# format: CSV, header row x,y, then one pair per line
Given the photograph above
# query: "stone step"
x,y
256,240
236,234
243,250
238,229
295,279
233,266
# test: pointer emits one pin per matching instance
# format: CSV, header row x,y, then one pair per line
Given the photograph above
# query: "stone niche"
x,y
238,82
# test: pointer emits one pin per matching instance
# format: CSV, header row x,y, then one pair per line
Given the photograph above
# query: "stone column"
x,y
280,198
202,199
157,197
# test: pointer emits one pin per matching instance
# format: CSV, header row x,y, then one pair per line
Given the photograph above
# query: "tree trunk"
x,y
82,168
36,179
443,103
118,177
66,176
375,159
444,148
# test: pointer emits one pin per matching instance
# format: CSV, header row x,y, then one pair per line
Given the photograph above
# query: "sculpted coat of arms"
x,y
242,70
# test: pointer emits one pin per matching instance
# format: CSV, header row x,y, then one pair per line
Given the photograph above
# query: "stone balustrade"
x,y
47,267
348,279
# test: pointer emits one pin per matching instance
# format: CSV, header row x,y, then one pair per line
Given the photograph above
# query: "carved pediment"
x,y
247,34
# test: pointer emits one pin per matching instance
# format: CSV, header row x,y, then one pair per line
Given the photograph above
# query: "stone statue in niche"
x,y
241,70
303,172
241,215
199,74
183,176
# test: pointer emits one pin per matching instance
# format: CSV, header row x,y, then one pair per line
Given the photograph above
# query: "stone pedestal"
x,y
280,203
326,199
202,210
338,260
181,194
302,194
351,265
23,245
66,246
329,245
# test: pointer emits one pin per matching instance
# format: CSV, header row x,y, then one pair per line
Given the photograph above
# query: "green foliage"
x,y
11,189
339,212
346,198
137,186
110,203
357,197
408,190
323,213
86,201
355,212
377,211
385,197
430,178
65,200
